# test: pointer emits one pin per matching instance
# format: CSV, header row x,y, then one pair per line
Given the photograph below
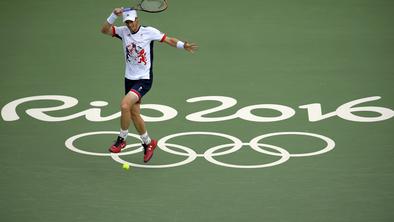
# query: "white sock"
x,y
124,133
145,138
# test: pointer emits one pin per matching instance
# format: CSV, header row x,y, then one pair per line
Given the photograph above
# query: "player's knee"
x,y
124,106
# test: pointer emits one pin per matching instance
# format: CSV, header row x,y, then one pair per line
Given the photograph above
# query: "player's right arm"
x,y
107,26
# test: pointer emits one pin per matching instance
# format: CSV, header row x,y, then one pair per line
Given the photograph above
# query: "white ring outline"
x,y
162,142
70,144
329,147
208,154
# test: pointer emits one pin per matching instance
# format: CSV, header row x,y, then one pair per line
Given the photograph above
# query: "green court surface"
x,y
302,128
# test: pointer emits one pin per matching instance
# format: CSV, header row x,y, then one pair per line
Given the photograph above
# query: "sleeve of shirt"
x,y
156,35
117,32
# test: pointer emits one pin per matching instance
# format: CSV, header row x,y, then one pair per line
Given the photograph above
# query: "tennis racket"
x,y
152,6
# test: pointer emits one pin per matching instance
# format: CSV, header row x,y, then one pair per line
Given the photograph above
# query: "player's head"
x,y
131,19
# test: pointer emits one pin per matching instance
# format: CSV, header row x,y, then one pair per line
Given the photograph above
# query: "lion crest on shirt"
x,y
136,54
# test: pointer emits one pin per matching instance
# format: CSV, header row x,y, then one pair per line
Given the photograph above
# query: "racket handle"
x,y
127,9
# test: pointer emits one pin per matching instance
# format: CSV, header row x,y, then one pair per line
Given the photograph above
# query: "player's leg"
x,y
139,124
125,107
140,89
135,114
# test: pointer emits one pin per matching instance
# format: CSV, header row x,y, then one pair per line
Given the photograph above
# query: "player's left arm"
x,y
174,42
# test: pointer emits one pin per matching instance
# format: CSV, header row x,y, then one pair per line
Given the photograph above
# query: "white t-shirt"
x,y
137,49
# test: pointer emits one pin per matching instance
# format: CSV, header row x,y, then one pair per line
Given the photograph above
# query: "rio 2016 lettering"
x,y
346,111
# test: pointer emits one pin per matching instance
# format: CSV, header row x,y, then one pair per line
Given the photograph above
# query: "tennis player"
x,y
138,51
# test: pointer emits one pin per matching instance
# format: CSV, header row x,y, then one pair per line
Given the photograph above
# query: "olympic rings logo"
x,y
211,153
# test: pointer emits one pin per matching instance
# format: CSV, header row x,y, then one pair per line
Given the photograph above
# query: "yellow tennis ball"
x,y
126,166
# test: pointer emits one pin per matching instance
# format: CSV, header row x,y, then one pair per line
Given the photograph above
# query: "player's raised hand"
x,y
118,11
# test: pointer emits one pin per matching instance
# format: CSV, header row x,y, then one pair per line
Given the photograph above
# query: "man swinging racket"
x,y
137,47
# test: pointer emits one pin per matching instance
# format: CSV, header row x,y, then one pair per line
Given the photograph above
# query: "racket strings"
x,y
153,5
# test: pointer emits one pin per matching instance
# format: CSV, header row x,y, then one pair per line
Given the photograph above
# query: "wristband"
x,y
180,45
111,19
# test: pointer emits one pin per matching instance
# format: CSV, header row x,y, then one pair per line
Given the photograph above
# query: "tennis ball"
x,y
126,166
